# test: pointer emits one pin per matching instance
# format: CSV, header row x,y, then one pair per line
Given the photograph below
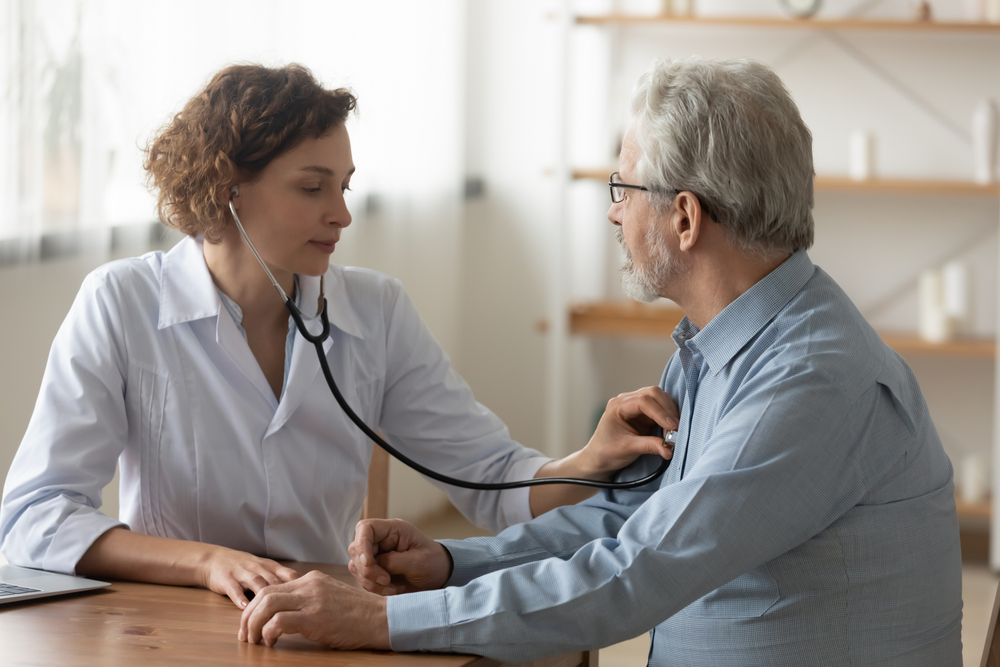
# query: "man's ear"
x,y
687,219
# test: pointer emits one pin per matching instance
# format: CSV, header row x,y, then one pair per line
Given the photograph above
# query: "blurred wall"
x,y
481,273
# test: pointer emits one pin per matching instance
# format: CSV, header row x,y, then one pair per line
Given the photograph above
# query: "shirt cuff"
x,y
418,621
74,537
515,504
469,561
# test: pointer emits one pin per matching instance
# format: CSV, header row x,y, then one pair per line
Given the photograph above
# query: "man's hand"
x,y
390,556
623,434
319,608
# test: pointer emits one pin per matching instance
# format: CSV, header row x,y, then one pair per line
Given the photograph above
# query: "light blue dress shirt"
x,y
151,371
807,517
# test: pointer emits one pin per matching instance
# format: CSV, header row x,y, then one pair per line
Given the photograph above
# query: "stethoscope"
x,y
318,340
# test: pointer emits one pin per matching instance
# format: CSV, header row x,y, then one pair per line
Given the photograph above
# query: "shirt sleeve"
x,y
49,514
780,466
430,413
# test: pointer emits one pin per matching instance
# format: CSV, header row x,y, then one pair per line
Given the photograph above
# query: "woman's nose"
x,y
339,214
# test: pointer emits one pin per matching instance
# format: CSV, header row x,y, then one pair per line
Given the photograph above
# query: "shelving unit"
x,y
629,319
794,24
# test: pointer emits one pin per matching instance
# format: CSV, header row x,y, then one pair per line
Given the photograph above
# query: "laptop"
x,y
20,583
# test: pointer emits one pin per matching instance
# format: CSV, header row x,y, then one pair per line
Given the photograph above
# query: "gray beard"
x,y
645,284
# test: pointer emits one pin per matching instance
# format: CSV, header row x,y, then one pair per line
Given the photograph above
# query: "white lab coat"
x,y
148,368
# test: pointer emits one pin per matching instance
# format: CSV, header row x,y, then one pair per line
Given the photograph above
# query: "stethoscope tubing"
x,y
318,339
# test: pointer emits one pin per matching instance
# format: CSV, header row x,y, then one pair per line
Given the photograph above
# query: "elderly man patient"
x,y
807,517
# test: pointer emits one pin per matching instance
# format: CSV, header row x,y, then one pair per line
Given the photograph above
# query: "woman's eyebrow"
x,y
324,170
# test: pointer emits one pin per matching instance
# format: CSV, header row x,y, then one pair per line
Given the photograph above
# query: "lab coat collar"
x,y
340,310
744,318
187,292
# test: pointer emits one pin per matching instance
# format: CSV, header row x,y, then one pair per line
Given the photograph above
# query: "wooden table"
x,y
147,625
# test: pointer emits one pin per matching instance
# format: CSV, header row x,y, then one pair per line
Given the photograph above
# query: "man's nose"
x,y
614,214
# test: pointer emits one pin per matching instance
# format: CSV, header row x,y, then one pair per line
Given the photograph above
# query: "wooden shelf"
x,y
623,318
778,22
969,348
876,185
917,187
593,174
632,319
981,510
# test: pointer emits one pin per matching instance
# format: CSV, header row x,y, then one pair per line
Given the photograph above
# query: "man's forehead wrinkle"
x,y
629,156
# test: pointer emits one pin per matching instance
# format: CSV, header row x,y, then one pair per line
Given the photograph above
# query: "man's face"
x,y
650,260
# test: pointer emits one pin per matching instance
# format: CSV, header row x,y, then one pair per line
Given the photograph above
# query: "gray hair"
x,y
729,132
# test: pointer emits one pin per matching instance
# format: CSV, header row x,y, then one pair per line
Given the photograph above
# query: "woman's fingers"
x,y
657,406
236,574
655,445
257,582
235,592
650,405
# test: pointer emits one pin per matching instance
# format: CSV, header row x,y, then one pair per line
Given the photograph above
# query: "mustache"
x,y
620,237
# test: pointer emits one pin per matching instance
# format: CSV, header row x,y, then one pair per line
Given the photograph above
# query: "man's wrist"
x,y
451,564
379,624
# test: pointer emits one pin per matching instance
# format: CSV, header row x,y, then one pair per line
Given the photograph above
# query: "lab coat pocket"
x,y
748,595
145,399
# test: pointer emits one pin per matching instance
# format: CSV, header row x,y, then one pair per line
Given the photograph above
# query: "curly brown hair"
x,y
247,116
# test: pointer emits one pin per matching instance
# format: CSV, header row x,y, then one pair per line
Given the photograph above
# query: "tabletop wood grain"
x,y
148,625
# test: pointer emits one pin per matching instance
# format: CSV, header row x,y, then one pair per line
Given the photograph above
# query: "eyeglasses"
x,y
618,193
618,188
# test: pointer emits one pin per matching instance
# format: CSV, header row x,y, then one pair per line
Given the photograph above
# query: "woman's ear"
x,y
229,193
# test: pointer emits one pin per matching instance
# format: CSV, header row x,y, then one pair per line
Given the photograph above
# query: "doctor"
x,y
183,368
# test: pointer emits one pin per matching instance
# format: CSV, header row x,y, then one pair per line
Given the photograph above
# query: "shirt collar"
x,y
745,317
188,293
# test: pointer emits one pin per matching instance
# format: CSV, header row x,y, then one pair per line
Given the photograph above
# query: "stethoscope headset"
x,y
318,340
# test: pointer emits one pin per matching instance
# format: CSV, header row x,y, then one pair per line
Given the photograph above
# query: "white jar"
x,y
984,142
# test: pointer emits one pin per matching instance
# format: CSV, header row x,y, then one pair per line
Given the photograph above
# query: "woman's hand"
x,y
390,556
230,572
623,434
123,554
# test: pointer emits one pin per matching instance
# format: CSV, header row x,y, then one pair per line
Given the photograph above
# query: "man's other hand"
x,y
390,556
319,608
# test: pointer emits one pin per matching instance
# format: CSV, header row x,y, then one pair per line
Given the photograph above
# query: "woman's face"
x,y
294,211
